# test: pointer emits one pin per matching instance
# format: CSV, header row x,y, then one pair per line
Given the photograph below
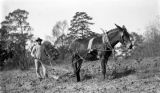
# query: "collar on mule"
x,y
106,41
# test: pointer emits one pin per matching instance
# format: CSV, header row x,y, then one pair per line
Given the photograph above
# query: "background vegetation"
x,y
16,31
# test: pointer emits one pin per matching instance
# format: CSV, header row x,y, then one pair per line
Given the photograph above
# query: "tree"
x,y
19,31
60,30
152,32
80,25
3,34
137,39
61,40
50,38
51,50
152,38
3,37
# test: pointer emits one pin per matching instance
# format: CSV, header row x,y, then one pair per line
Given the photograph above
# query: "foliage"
x,y
50,38
3,37
148,45
4,55
151,46
63,50
61,40
153,31
60,28
80,25
18,31
51,50
137,41
59,31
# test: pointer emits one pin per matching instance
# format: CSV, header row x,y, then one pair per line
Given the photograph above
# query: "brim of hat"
x,y
39,40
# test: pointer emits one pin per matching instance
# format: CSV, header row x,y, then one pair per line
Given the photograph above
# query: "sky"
x,y
43,14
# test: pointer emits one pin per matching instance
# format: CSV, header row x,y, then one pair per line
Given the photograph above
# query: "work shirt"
x,y
39,52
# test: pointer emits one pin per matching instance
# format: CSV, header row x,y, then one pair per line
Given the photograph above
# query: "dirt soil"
x,y
129,76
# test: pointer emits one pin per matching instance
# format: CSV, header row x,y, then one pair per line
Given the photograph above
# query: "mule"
x,y
101,48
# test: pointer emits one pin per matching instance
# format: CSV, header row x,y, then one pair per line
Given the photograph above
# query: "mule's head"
x,y
125,38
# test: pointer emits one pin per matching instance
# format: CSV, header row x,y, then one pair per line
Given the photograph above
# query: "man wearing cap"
x,y
40,55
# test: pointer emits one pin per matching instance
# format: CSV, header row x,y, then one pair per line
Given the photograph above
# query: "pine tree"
x,y
80,25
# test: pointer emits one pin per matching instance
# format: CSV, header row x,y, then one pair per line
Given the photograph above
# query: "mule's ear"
x,y
118,26
123,27
103,30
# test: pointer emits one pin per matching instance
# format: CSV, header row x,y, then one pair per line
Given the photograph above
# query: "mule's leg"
x,y
76,64
79,64
78,74
103,65
73,64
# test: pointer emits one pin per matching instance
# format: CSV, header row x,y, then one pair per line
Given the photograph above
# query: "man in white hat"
x,y
40,55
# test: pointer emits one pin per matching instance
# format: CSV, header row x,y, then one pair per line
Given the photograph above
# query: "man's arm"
x,y
33,51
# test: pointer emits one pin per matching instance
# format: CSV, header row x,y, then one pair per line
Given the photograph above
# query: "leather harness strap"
x,y
107,42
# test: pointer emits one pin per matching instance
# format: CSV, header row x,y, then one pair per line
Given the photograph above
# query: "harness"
x,y
106,42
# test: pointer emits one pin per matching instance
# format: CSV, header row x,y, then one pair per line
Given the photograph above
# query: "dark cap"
x,y
38,39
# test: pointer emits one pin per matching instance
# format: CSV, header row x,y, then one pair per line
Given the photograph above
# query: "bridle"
x,y
122,39
108,43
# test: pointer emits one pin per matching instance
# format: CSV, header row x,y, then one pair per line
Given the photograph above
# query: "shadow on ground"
x,y
117,75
